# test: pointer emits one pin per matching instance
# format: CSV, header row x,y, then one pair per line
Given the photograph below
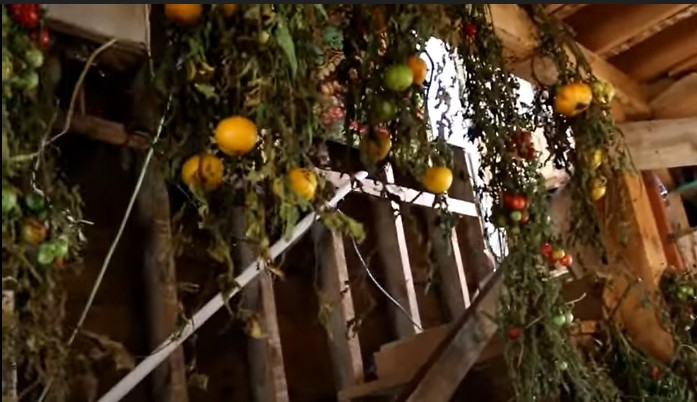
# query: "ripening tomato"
x,y
546,249
515,202
566,260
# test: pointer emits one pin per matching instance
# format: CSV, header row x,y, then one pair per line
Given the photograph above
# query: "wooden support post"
x,y
168,381
392,249
265,356
452,280
344,348
660,213
470,233
439,378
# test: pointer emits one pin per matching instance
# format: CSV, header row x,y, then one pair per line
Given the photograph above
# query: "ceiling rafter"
x,y
652,30
563,11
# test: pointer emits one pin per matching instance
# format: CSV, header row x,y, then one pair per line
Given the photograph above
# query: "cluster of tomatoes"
x,y
521,145
32,209
556,255
28,16
512,213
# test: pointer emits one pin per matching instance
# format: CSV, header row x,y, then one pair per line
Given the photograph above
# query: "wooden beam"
x,y
439,378
679,100
689,64
659,144
344,349
519,37
658,54
620,23
392,250
649,31
403,194
563,11
106,131
660,213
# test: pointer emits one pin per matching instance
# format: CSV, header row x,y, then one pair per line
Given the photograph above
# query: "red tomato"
x,y
566,260
655,373
43,38
546,249
514,333
470,30
517,203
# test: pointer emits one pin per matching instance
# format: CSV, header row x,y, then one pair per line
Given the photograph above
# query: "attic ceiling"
x,y
649,42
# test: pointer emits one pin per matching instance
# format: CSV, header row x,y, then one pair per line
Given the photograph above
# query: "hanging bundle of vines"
x,y
40,212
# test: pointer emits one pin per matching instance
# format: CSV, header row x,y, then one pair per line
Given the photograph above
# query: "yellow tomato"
x,y
595,158
229,9
437,179
303,183
236,135
378,146
572,99
204,171
183,14
598,189
419,69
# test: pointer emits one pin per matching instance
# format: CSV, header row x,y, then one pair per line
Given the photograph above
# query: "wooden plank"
x,y
106,131
679,100
518,35
663,223
649,31
566,10
439,378
129,23
403,358
392,250
344,349
265,356
403,194
377,388
659,144
620,23
665,50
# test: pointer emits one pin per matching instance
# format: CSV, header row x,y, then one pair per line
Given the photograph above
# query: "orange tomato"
x,y
204,171
236,135
229,9
303,183
418,67
437,179
183,14
378,146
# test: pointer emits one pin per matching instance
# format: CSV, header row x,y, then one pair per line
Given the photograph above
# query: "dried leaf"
x,y
198,380
123,360
206,90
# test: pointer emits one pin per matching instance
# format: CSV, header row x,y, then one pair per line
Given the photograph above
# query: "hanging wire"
x,y
377,284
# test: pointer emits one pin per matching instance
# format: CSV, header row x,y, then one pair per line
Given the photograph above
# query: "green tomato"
x,y
45,255
398,77
569,318
516,216
559,320
34,57
385,110
499,219
514,230
9,199
35,202
30,80
263,37
687,290
60,247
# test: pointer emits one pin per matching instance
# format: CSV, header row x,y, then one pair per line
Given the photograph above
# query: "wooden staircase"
x,y
431,365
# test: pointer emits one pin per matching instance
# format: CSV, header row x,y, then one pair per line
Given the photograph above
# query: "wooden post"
x,y
392,249
168,382
660,212
265,356
345,350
